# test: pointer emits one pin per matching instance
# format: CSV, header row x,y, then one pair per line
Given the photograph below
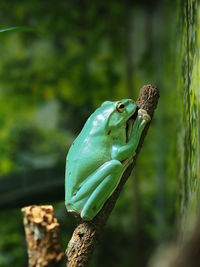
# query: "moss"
x,y
189,145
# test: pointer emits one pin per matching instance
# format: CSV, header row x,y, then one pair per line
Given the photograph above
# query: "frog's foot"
x,y
143,115
137,121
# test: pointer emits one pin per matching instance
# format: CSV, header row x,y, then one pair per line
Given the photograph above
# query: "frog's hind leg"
x,y
109,175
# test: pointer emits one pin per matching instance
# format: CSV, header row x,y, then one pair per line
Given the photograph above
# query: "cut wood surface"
x,y
86,234
42,236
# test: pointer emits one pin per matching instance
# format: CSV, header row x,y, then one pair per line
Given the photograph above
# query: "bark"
x,y
86,234
42,236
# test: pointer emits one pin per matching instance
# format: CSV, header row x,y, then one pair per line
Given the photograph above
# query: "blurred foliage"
x,y
79,54
12,243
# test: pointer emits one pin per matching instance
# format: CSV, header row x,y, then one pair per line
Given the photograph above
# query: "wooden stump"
x,y
42,236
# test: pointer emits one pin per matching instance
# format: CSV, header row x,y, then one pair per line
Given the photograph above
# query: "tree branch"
x,y
86,234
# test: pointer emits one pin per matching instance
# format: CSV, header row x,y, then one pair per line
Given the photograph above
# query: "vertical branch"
x,y
42,236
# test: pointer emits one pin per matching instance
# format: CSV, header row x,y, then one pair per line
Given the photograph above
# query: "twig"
x,y
41,229
86,234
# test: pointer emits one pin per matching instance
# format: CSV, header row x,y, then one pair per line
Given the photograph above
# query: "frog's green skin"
x,y
99,155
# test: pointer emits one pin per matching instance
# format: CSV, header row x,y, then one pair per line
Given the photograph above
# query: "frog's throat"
x,y
108,121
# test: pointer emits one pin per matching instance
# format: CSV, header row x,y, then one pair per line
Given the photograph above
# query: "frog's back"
x,y
86,154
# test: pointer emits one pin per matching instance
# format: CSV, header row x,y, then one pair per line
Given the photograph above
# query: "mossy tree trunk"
x,y
189,104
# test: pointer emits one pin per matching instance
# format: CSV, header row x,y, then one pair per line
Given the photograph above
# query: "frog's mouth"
x,y
129,124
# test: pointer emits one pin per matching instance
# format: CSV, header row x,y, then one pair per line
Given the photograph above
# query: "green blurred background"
x,y
79,54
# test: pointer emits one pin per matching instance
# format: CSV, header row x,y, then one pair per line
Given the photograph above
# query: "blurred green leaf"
x,y
16,29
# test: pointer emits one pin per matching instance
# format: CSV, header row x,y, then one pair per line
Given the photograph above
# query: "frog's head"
x,y
119,113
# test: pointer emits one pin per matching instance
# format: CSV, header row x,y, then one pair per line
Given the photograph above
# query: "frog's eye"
x,y
120,107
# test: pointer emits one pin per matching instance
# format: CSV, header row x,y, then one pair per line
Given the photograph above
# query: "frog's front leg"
x,y
98,187
128,150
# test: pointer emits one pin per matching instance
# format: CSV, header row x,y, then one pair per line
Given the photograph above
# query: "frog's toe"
x,y
86,217
146,117
142,113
